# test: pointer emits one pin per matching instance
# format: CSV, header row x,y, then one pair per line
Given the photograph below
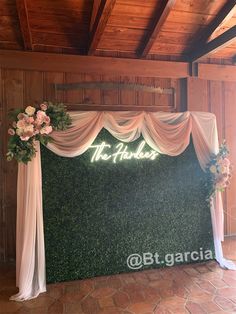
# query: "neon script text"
x,y
106,152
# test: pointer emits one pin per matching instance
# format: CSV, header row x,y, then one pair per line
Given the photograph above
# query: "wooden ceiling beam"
x,y
223,16
214,45
96,5
99,19
160,19
24,24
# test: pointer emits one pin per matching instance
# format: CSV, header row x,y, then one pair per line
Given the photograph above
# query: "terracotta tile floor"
x,y
196,289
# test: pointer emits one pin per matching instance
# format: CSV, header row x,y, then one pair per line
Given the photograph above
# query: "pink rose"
x,y
223,170
44,107
28,133
46,130
24,138
21,116
40,116
29,120
47,120
14,124
11,132
21,124
226,162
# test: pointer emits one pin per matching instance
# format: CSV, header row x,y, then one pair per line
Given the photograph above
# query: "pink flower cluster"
x,y
31,122
222,171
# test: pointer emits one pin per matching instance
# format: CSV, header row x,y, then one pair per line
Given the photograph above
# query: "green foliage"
x,y
22,151
13,113
59,119
97,214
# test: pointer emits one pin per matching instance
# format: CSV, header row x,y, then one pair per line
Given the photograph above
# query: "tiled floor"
x,y
196,289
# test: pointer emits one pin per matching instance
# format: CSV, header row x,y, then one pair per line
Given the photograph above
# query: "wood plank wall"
x,y
220,98
19,88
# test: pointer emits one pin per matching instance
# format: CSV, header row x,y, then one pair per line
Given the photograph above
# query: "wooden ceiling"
x,y
181,30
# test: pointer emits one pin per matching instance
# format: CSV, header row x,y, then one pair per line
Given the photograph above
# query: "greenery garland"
x,y
34,124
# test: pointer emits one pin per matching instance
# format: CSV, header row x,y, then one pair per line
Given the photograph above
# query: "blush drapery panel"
x,y
167,133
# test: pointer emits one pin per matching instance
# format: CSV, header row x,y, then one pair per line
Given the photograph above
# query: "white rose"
x,y
213,169
30,110
19,132
29,128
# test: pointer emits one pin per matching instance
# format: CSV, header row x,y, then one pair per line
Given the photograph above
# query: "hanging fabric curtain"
x,y
167,133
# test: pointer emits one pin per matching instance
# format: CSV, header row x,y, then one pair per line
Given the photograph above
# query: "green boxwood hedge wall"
x,y
97,214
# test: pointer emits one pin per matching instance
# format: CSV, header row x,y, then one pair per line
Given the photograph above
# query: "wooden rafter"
x,y
221,18
99,22
157,25
96,5
24,23
214,45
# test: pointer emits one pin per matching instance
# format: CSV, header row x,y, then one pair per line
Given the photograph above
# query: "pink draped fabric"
x,y
167,133
30,254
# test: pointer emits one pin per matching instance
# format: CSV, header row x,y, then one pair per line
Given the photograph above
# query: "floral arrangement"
x,y
220,169
34,124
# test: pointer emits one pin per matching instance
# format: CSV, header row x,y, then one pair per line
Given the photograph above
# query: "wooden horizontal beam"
x,y
214,45
160,19
216,72
92,65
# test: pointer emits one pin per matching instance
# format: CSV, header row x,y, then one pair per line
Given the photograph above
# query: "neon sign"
x,y
120,152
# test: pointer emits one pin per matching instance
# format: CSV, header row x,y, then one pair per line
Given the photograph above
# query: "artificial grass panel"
x,y
97,214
